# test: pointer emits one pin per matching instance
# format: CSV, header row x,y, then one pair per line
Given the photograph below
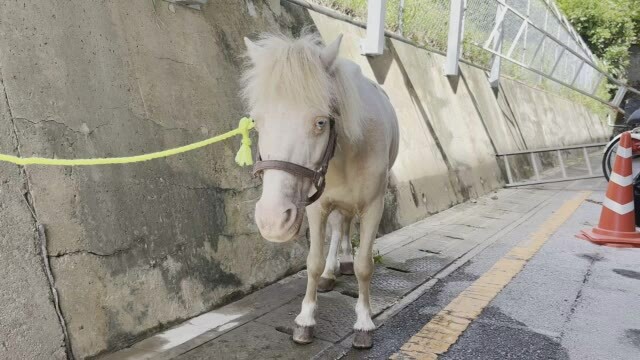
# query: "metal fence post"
x,y
373,44
617,100
542,43
515,41
400,16
575,77
494,75
597,84
555,65
454,40
526,34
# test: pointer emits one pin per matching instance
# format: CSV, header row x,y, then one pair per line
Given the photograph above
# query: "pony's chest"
x,y
350,193
355,178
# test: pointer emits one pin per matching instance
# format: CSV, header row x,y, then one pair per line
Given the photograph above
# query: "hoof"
x,y
303,335
326,285
346,268
363,339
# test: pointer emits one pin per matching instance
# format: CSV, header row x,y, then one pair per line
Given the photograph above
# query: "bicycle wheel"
x,y
609,158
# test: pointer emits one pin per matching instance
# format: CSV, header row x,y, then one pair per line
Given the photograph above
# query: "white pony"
x,y
302,96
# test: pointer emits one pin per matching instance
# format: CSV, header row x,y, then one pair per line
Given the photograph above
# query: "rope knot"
x,y
244,156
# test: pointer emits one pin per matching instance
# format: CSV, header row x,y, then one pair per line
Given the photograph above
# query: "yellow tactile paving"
x,y
444,329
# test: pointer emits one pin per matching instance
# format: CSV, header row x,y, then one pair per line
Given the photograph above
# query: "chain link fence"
x,y
537,44
424,21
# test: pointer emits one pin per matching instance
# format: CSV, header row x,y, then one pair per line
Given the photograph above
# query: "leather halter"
x,y
317,176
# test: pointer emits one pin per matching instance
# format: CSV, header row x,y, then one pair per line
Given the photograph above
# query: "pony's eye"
x,y
320,123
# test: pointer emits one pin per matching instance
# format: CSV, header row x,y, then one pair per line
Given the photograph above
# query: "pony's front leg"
x,y
305,321
364,326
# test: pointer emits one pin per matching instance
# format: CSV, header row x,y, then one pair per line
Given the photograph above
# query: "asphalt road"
x,y
572,300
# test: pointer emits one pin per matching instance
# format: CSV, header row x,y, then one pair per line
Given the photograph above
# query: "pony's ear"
x,y
330,53
252,48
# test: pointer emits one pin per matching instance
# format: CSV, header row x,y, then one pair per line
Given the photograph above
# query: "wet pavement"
x,y
572,300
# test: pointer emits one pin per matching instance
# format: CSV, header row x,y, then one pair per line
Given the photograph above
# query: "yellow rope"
x,y
242,158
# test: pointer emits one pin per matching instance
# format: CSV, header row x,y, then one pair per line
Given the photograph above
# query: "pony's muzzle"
x,y
278,222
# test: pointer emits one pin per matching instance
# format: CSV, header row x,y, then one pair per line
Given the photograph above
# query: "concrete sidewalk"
x,y
414,258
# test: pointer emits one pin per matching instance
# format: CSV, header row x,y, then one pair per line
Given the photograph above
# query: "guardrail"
x,y
535,161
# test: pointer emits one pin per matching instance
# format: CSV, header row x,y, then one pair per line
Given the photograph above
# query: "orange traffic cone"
x,y
617,227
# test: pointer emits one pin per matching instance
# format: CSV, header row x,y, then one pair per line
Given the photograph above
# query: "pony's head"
x,y
293,89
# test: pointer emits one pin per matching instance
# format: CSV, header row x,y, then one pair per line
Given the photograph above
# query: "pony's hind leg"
x,y
328,278
346,254
364,266
305,321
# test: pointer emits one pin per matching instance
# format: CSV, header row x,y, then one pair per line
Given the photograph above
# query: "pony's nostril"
x,y
288,215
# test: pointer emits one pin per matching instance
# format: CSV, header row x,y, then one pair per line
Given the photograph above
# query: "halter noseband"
x,y
317,176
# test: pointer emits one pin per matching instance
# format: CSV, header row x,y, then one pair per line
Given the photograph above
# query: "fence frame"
x,y
373,44
587,57
455,37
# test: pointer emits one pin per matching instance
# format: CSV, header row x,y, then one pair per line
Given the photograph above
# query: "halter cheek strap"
x,y
317,176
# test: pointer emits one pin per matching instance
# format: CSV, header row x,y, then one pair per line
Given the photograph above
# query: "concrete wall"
x,y
451,129
137,248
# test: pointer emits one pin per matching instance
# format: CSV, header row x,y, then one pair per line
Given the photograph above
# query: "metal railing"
x,y
530,40
539,177
534,36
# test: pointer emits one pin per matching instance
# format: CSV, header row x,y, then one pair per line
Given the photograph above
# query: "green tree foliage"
x,y
609,27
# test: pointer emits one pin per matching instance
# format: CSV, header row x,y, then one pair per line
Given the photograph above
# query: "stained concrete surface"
x,y
255,341
404,267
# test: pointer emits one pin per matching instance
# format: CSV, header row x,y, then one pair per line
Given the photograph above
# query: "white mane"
x,y
288,70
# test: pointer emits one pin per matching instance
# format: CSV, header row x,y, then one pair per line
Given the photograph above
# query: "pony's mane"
x,y
282,69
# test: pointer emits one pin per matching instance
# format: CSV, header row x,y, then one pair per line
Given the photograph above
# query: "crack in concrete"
x,y
578,298
164,127
490,217
227,235
213,187
89,252
38,122
467,225
173,60
594,201
27,194
39,228
144,104
42,237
